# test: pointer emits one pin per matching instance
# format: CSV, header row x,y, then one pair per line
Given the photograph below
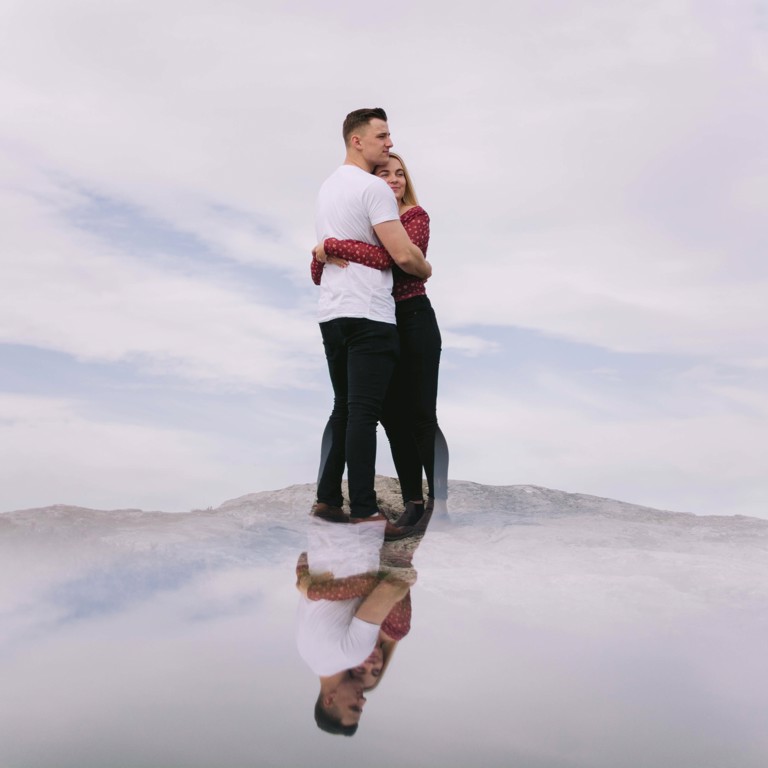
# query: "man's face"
x,y
348,701
374,142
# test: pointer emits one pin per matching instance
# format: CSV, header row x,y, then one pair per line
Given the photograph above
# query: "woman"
x,y
393,629
410,415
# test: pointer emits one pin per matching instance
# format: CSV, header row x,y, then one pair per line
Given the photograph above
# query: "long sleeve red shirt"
x,y
416,223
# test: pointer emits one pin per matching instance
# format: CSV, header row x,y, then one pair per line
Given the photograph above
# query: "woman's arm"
x,y
416,223
316,270
343,589
360,585
398,622
358,252
319,259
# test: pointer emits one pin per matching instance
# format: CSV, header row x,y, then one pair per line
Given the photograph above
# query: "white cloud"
x,y
67,290
611,294
53,453
699,454
468,344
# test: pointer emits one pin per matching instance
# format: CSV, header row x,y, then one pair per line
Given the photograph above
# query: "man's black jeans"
x,y
361,356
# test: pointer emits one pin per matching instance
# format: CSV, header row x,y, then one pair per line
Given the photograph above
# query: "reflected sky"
x,y
149,642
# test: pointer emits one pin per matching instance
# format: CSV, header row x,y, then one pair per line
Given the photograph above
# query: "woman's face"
x,y
368,672
392,172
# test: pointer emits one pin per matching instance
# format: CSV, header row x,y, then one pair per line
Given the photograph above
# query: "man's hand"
x,y
376,607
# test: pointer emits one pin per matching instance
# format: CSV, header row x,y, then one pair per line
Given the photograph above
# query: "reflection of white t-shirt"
x,y
329,637
349,204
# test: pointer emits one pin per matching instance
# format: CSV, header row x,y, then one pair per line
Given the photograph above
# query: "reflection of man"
x,y
356,308
340,704
343,603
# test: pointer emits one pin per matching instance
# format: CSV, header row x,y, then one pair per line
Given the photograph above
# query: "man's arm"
x,y
376,607
404,253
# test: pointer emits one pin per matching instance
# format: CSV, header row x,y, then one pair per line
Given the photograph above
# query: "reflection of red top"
x,y
416,223
398,622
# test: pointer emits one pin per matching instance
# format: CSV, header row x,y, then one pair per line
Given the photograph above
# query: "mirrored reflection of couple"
x,y
355,607
382,345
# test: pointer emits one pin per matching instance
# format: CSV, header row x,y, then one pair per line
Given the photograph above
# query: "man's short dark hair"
x,y
326,722
361,117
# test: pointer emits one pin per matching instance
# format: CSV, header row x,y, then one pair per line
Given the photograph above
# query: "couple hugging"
x,y
382,344
379,331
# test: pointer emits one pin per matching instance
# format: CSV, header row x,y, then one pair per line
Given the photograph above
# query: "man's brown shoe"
x,y
392,532
329,513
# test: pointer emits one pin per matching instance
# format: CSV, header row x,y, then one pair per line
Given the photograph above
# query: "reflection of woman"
x,y
393,629
410,414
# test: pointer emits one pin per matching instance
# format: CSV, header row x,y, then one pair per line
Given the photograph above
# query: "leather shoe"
x,y
329,513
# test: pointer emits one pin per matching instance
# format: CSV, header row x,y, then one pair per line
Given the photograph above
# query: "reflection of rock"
x,y
522,546
536,550
272,515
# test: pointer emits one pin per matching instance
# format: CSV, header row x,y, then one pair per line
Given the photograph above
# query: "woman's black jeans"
x,y
410,408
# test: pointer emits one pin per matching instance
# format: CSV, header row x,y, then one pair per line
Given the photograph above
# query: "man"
x,y
357,311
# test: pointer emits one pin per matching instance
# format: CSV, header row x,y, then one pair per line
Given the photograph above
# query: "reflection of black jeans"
x,y
410,409
361,356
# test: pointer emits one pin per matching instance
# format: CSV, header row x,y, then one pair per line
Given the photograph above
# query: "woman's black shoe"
x,y
411,516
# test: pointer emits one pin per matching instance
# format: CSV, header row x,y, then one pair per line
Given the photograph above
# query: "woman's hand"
x,y
303,583
319,253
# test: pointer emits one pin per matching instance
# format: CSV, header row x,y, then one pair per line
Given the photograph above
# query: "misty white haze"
x,y
549,630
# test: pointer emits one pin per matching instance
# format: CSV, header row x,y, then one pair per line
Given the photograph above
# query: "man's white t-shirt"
x,y
349,204
331,638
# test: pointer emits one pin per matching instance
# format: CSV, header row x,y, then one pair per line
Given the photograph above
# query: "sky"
x,y
596,174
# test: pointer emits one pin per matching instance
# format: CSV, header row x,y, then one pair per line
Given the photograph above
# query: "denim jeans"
x,y
361,356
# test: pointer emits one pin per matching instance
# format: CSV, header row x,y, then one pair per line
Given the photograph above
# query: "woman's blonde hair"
x,y
409,197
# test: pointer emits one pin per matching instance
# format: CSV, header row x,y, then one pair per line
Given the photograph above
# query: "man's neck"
x,y
358,161
329,682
